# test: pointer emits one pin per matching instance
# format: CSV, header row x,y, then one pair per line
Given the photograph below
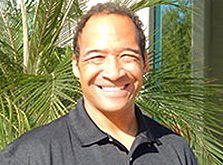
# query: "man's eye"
x,y
96,59
130,58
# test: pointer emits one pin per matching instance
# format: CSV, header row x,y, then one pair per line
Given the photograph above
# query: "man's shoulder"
x,y
45,132
165,135
170,142
36,140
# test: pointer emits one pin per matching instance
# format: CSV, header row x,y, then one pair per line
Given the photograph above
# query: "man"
x,y
106,127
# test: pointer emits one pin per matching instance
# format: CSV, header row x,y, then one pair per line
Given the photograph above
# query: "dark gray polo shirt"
x,y
75,140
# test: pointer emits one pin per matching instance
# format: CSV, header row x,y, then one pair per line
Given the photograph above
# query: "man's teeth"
x,y
111,89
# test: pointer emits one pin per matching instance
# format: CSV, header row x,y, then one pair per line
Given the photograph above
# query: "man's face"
x,y
110,67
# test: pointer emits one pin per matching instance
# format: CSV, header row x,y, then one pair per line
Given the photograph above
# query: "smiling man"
x,y
106,127
110,67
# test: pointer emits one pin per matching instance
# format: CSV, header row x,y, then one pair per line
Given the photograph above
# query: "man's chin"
x,y
114,105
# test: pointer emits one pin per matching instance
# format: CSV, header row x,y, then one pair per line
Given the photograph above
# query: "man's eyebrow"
x,y
94,51
137,51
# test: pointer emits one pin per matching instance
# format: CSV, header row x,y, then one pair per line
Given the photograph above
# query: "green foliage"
x,y
47,88
177,99
176,37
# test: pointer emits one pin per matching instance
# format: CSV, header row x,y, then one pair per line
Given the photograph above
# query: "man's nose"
x,y
113,69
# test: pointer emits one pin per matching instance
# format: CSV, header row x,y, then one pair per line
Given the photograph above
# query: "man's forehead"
x,y
105,21
116,26
101,17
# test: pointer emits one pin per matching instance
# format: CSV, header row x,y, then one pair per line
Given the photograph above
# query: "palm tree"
x,y
42,88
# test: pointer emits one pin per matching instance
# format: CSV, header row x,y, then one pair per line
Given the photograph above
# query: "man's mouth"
x,y
113,88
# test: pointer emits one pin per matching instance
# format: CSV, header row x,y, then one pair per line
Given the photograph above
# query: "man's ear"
x,y
146,63
75,66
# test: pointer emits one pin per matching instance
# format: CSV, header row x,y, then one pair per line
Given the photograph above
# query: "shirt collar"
x,y
85,129
145,134
88,133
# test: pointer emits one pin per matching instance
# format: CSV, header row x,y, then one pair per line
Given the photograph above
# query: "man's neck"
x,y
121,125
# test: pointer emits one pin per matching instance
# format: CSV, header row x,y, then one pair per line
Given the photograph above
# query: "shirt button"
x,y
110,139
130,159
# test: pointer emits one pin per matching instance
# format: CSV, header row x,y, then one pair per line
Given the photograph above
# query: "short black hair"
x,y
110,8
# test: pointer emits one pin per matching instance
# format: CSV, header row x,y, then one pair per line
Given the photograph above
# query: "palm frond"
x,y
14,121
